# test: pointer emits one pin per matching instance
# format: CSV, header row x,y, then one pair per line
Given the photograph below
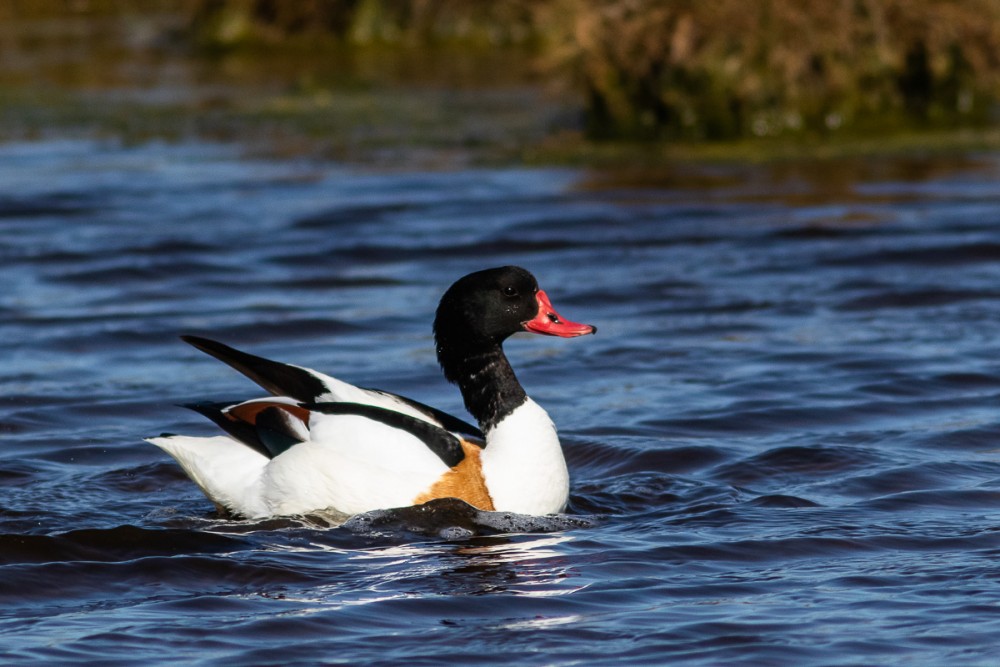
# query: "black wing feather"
x,y
445,445
274,430
277,378
270,435
298,383
242,431
446,420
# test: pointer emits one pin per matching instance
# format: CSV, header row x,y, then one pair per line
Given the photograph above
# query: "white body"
x,y
352,464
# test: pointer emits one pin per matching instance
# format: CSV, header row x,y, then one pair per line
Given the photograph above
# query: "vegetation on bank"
x,y
668,69
661,70
732,68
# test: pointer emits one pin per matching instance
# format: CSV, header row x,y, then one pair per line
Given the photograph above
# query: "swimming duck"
x,y
318,443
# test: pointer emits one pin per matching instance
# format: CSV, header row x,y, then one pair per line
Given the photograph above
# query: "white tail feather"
x,y
227,471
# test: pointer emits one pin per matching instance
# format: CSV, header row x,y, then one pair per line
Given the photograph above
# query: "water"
x,y
783,441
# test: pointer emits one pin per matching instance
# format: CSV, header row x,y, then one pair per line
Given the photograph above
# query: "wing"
x,y
311,387
446,445
272,426
268,426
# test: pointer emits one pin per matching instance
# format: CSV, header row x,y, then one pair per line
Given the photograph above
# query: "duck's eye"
x,y
510,290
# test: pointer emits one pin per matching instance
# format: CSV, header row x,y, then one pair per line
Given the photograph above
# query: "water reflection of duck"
x,y
320,443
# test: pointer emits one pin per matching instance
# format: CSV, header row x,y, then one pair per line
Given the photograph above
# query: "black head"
x,y
483,308
475,316
487,306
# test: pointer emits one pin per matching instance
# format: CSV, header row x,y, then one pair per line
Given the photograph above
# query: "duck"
x,y
320,444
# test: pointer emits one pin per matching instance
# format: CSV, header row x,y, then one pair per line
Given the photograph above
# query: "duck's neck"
x,y
487,382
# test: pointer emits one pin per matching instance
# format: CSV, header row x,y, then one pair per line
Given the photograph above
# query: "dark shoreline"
x,y
140,77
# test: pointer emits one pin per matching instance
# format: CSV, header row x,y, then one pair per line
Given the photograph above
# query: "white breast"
x,y
523,463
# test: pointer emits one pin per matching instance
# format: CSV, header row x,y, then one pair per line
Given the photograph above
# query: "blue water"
x,y
784,440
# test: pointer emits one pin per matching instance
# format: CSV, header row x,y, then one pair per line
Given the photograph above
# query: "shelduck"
x,y
318,443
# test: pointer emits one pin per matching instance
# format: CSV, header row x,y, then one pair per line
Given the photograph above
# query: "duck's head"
x,y
483,308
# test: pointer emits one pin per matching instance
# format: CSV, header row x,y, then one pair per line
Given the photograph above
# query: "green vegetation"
x,y
569,80
731,68
688,69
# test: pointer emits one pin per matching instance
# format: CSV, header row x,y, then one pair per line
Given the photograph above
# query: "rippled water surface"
x,y
784,441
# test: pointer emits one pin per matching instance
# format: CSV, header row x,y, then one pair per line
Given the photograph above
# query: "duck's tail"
x,y
228,471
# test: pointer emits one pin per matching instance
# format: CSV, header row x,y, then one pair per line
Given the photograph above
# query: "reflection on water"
x,y
783,441
132,76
